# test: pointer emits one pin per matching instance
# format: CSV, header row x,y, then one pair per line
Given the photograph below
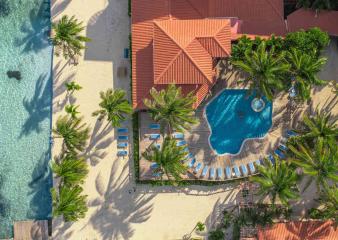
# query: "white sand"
x,y
113,212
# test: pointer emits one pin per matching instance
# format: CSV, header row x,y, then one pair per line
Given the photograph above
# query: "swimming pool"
x,y
25,116
232,120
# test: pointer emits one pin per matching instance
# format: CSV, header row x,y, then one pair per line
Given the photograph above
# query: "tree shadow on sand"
x,y
57,7
38,107
116,208
5,209
98,142
36,30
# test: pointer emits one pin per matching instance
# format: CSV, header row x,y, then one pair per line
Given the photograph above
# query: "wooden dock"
x,y
31,230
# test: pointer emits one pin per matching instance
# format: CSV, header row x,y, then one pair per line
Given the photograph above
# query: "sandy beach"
x,y
119,209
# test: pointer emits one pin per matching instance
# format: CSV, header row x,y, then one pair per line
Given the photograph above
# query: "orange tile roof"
x,y
305,19
166,49
300,230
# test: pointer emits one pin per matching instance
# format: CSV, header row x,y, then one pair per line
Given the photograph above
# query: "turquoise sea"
x,y
25,116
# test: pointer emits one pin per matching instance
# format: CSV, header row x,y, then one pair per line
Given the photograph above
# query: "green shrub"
x,y
136,146
217,234
312,41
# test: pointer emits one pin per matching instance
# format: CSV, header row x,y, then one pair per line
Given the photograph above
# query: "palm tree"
x,y
114,106
171,109
321,163
304,69
74,133
72,110
266,70
328,208
72,87
69,203
317,4
169,158
72,170
66,36
320,126
278,181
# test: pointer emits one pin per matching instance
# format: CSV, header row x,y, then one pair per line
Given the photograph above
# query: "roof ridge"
x,y
274,8
201,15
182,50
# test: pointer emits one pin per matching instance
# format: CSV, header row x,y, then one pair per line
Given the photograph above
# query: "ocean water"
x,y
25,116
232,120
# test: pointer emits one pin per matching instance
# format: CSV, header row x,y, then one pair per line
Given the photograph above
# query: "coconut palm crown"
x,y
277,180
67,36
73,132
304,69
171,109
114,106
266,70
169,158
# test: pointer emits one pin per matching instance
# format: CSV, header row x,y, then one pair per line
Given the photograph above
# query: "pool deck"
x,y
252,149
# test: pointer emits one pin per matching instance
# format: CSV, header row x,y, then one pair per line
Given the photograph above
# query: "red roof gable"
x,y
309,230
166,49
305,19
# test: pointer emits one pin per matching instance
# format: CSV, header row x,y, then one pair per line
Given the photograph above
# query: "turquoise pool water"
x,y
25,116
232,121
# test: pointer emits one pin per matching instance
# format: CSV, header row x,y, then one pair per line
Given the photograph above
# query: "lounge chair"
x,y
280,154
236,171
122,153
198,167
204,171
122,130
126,53
192,163
283,147
181,143
244,170
290,133
219,173
212,173
258,162
154,165
189,156
158,146
154,136
122,138
228,172
122,145
272,159
155,126
186,149
252,167
157,174
178,135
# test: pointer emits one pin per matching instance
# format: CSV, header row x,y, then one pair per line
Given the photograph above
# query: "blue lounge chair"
x,y
198,167
192,163
258,162
178,135
122,145
228,172
154,126
158,146
122,130
244,170
291,133
122,138
272,159
122,153
204,171
212,173
126,53
189,156
157,174
252,167
280,154
186,149
154,165
154,136
236,171
219,173
181,143
283,147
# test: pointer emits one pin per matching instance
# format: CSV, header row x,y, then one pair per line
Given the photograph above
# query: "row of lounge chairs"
x,y
122,143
